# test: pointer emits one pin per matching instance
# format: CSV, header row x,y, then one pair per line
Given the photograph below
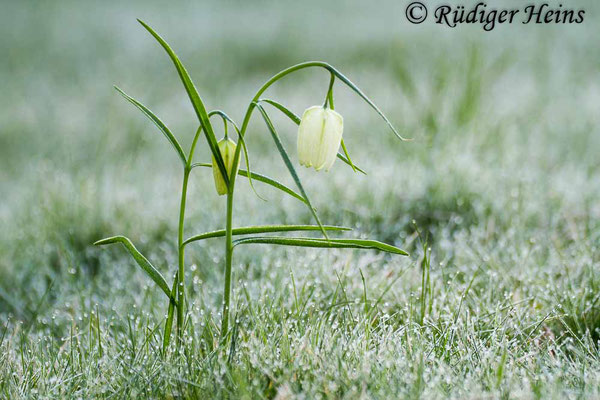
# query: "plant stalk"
x,y
228,259
181,248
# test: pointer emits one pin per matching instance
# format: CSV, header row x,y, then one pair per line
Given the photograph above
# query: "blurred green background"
x,y
502,176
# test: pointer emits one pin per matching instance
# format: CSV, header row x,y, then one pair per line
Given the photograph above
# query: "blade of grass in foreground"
x,y
163,128
141,261
249,230
288,164
170,315
319,242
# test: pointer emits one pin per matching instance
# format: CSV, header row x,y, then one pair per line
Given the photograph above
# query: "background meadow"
x,y
501,181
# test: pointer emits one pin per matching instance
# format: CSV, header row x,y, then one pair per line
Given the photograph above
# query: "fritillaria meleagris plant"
x,y
319,139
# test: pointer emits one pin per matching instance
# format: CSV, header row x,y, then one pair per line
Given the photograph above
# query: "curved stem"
x,y
193,147
329,96
263,88
228,260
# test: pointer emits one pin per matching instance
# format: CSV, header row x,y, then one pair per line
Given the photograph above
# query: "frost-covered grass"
x,y
501,181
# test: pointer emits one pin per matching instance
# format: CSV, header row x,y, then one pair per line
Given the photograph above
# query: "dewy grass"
x,y
320,137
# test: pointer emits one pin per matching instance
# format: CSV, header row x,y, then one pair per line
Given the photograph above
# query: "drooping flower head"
x,y
319,137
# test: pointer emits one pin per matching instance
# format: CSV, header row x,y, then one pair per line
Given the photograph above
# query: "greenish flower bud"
x,y
319,137
227,148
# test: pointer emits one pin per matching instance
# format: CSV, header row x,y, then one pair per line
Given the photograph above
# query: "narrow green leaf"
x,y
355,88
347,161
296,119
260,178
288,164
348,155
170,314
159,124
249,230
319,242
289,113
247,160
195,99
141,261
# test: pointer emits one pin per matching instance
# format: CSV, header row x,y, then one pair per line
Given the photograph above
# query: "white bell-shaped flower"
x,y
319,137
227,148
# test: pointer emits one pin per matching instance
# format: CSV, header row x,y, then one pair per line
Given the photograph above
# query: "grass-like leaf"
x,y
170,316
250,230
159,124
348,156
197,103
319,242
260,178
359,92
296,119
350,163
289,113
141,261
288,164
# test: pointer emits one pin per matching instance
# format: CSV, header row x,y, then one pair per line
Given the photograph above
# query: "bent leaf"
x,y
319,242
288,164
159,124
260,178
197,103
348,156
289,113
249,230
359,92
141,261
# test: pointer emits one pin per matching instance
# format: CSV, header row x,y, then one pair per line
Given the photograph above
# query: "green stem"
x,y
231,187
228,259
181,272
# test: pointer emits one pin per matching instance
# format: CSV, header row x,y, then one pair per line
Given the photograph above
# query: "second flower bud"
x,y
227,148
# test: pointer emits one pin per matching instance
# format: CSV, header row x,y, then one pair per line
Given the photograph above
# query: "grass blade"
x,y
170,315
159,124
196,101
319,242
261,178
249,230
141,261
288,164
